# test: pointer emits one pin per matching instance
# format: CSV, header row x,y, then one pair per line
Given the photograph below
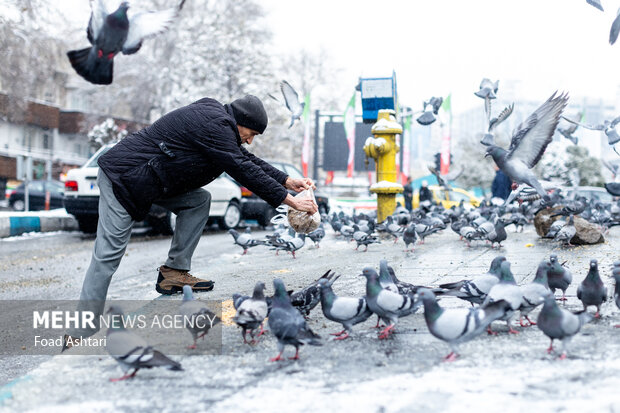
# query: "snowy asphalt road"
x,y
363,374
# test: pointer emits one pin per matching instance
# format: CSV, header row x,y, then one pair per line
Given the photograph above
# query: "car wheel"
x,y
19,205
231,217
265,219
88,225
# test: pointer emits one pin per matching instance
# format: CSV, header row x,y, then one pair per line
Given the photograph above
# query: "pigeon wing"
x,y
145,25
290,97
504,114
531,138
595,3
584,125
125,346
98,15
615,29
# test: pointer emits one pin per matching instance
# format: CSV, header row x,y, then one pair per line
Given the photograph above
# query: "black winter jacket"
x,y
184,150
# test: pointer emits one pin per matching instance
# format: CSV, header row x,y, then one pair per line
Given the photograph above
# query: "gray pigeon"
x,y
291,245
388,305
287,324
609,127
251,313
110,33
615,29
489,137
458,325
393,228
362,238
616,274
495,233
558,276
569,131
245,240
529,142
130,350
595,3
555,227
592,291
317,235
410,237
431,108
487,91
534,293
475,290
197,317
347,311
308,297
560,324
508,290
291,101
567,232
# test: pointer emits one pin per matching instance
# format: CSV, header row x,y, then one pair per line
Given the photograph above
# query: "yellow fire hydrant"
x,y
383,149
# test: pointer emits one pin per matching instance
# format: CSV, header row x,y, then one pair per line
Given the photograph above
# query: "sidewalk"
x,y
14,223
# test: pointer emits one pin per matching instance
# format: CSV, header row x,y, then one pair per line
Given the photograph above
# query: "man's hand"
x,y
299,184
304,204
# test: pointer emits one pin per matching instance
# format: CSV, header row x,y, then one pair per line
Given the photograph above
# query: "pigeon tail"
x,y
95,70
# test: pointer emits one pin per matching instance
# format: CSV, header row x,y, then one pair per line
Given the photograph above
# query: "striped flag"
x,y
445,141
349,129
407,139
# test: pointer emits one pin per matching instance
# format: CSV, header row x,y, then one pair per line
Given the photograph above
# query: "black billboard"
x,y
336,148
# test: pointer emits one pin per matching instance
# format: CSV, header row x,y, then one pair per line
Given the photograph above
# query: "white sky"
x,y
439,47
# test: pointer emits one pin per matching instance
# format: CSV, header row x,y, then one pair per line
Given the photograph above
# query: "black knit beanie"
x,y
249,112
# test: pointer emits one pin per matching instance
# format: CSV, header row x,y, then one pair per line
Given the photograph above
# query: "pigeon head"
x,y
506,274
593,264
541,272
187,293
496,264
259,288
280,293
553,258
369,273
494,151
426,295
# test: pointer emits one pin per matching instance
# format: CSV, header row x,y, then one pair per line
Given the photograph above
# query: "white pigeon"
x,y
291,100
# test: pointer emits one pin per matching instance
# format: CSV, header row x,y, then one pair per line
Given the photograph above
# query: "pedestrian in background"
x,y
408,195
501,186
425,193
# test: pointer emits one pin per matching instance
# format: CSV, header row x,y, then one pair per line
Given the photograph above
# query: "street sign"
x,y
377,93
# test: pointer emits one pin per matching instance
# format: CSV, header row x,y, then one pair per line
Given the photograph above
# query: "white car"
x,y
82,200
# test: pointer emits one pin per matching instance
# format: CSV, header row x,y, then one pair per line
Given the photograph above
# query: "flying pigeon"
x,y
609,127
388,305
245,241
595,3
197,317
508,290
560,324
287,324
458,325
347,311
291,100
431,108
592,291
558,276
130,350
252,312
112,33
475,290
571,129
615,29
529,142
534,293
489,137
487,91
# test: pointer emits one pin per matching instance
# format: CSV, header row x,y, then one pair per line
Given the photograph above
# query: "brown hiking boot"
x,y
171,281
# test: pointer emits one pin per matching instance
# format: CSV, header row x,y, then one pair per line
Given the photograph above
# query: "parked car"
x,y
253,207
594,193
82,200
36,195
448,198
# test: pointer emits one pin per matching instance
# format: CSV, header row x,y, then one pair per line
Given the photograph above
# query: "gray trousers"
x,y
113,233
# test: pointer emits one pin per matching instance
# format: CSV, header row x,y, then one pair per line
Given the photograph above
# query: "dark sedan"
x,y
253,207
36,195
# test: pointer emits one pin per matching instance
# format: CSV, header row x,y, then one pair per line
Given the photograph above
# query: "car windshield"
x,y
458,197
92,163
